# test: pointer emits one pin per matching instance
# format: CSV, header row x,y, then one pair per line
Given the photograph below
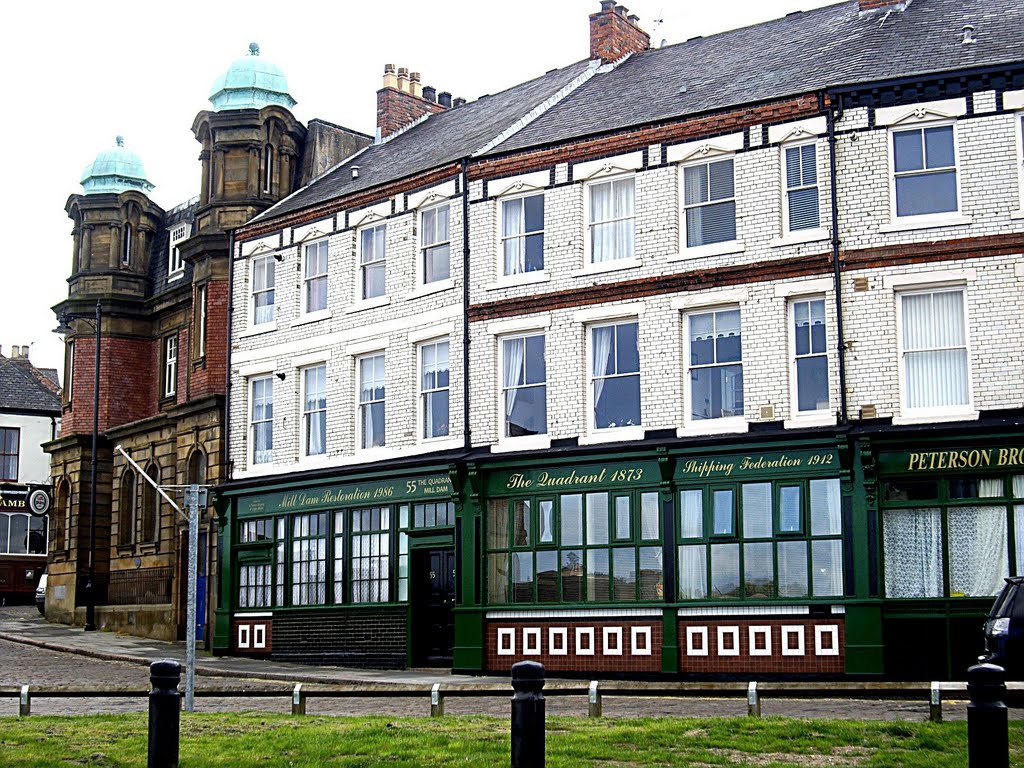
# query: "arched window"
x,y
151,506
62,516
126,508
126,245
197,467
268,168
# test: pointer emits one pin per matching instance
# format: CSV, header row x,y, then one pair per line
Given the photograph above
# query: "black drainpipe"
x,y
836,113
227,375
467,441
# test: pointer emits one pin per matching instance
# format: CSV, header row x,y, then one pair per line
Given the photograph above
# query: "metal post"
x,y
988,744
298,700
436,701
753,700
192,505
90,583
594,704
935,703
528,715
24,702
164,714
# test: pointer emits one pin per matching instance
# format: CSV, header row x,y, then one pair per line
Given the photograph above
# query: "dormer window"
x,y
176,264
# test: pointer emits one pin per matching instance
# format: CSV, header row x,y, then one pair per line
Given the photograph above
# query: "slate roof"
x,y
159,262
800,53
442,138
21,388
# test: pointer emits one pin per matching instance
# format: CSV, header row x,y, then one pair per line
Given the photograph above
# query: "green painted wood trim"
x,y
669,642
468,653
864,640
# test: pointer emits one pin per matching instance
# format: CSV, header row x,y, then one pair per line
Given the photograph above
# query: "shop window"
x,y
434,389
611,227
524,386
761,541
373,261
314,410
22,534
955,544
577,547
615,376
933,350
261,574
522,234
309,559
716,365
314,277
433,515
370,554
10,438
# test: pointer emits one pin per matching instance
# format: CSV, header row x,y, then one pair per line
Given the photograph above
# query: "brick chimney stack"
x,y
615,33
869,6
403,100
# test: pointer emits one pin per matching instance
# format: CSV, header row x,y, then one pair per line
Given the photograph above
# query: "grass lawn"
x,y
256,739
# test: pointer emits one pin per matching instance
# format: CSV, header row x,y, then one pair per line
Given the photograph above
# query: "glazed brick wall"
x,y
127,383
363,637
777,663
571,662
209,378
395,110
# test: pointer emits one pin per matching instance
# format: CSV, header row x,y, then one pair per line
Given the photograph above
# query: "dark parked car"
x,y
41,594
1004,629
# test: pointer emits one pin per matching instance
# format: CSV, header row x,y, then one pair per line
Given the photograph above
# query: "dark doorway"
x,y
433,584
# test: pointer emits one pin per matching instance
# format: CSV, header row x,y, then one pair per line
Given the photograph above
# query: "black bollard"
x,y
164,714
528,715
988,744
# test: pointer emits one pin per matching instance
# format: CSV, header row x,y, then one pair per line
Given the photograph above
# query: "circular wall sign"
x,y
39,502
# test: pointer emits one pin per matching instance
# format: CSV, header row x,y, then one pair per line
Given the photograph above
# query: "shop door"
x,y
433,630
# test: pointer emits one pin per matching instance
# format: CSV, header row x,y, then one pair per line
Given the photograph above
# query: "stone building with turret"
x,y
158,282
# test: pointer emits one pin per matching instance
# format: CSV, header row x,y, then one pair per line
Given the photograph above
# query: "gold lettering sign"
x,y
978,458
519,481
756,464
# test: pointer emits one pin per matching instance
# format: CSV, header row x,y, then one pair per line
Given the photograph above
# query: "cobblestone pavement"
x,y
21,664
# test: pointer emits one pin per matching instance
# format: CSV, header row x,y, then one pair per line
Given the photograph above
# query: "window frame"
x,y
169,378
930,411
176,264
268,169
588,225
322,248
591,403
422,246
423,394
270,260
4,454
361,404
787,229
723,246
502,238
1018,118
362,265
503,437
794,389
69,374
723,423
126,244
200,314
920,127
306,415
254,424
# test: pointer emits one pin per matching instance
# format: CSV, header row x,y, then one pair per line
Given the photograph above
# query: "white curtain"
x,y
611,220
827,567
316,410
263,290
512,227
978,557
601,354
263,420
912,543
693,572
513,375
691,514
826,515
935,349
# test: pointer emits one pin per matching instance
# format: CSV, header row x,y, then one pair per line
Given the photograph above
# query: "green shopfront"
x,y
874,555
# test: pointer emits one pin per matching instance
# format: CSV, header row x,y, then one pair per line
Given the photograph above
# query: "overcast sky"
x,y
78,74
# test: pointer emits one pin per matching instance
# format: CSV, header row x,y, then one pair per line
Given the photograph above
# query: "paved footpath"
x,y
36,652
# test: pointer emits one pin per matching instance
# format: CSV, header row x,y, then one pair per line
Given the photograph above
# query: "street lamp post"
x,y
90,583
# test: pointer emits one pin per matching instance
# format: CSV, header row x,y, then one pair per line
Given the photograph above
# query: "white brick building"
x,y
667,387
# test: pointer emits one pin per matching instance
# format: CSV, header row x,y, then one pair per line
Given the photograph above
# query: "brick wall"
x,y
396,110
127,383
613,35
360,637
762,646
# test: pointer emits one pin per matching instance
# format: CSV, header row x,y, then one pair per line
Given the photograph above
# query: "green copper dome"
x,y
251,83
115,170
